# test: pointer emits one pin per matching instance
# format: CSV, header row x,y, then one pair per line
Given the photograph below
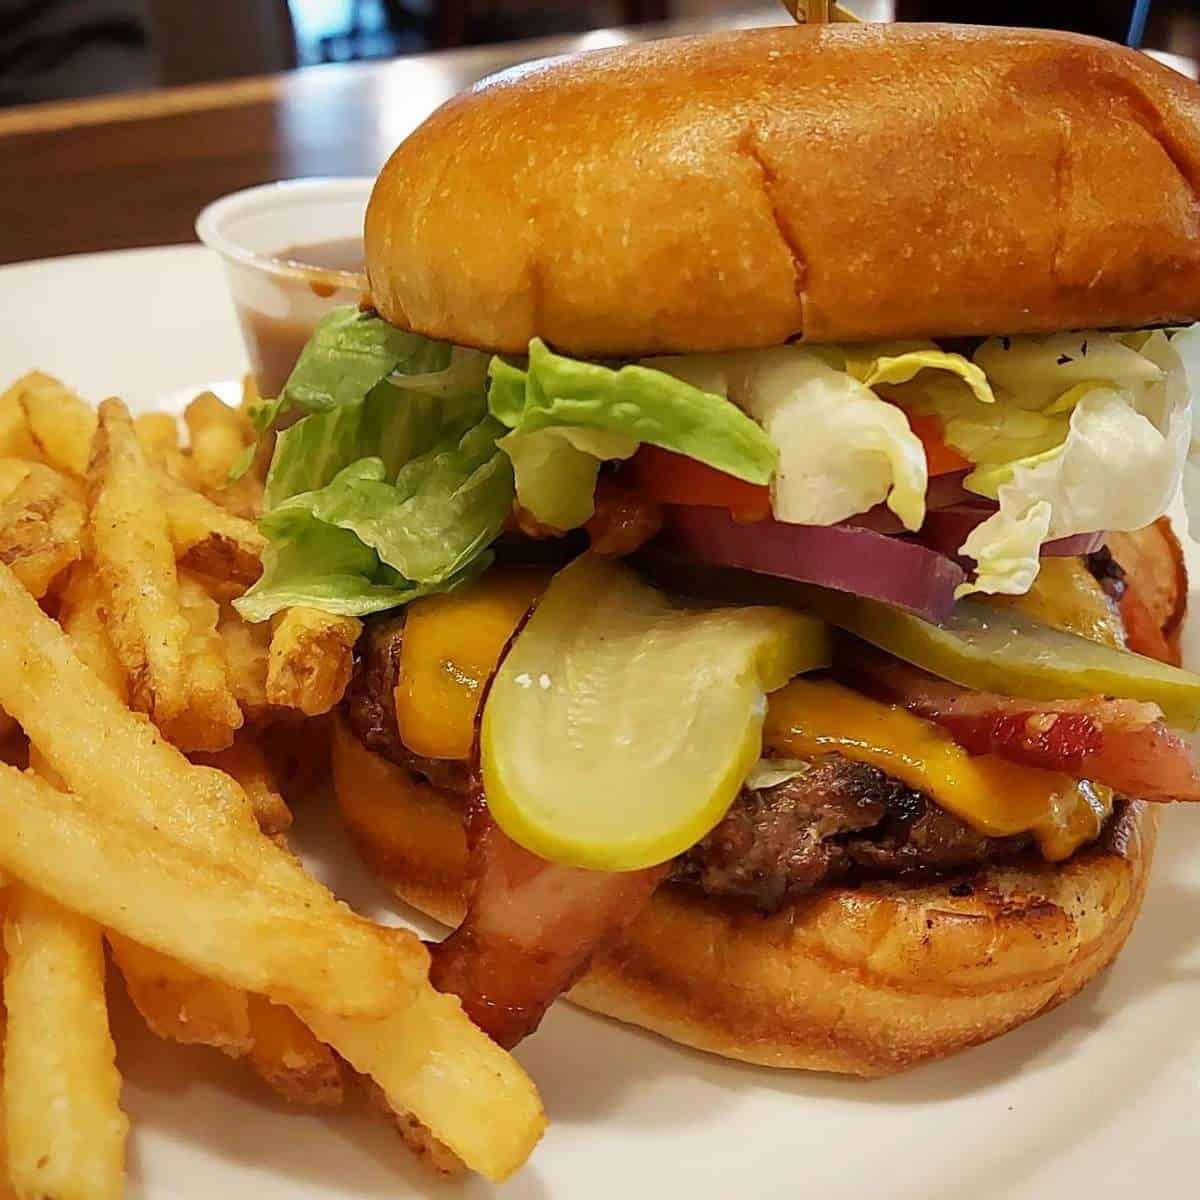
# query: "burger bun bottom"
x,y
866,980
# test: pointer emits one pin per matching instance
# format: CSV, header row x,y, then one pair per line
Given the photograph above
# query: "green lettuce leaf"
x,y
556,470
635,401
609,411
444,509
309,563
394,423
349,352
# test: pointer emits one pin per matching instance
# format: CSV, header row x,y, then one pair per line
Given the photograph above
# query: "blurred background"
x,y
57,49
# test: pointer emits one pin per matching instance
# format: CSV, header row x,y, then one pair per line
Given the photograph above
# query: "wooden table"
x,y
134,170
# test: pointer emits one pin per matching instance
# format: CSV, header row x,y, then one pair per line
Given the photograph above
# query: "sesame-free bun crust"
x,y
827,182
865,981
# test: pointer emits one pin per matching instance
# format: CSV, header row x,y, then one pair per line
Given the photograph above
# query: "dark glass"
x,y
1102,18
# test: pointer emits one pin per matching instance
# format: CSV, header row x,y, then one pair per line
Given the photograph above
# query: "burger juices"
x,y
752,472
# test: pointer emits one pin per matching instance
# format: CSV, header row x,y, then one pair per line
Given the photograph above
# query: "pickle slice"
x,y
620,727
1000,649
982,645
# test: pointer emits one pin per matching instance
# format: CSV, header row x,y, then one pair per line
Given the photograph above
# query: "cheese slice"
x,y
450,648
992,795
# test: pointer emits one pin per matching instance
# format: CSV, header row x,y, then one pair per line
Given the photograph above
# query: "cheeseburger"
x,y
752,473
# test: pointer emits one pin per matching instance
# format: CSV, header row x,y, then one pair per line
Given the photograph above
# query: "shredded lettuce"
x,y
1007,550
771,772
1117,467
1187,345
1033,372
841,448
593,413
903,365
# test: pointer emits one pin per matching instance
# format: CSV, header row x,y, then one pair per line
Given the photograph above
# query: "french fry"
x,y
80,616
65,1129
219,436
431,1153
140,589
16,440
251,399
209,540
179,1004
157,434
311,659
12,472
222,914
246,763
41,528
135,568
6,1188
245,647
287,1056
199,819
486,1124
213,715
61,424
214,893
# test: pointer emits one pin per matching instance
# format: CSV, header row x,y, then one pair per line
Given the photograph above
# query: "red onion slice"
x,y
844,557
943,491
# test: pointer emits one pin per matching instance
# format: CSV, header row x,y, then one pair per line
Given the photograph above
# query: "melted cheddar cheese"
x,y
999,798
450,648
452,644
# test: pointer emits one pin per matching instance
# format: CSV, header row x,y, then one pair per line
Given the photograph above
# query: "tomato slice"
x,y
672,478
941,459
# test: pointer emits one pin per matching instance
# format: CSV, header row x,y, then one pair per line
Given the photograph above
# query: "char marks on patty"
x,y
838,821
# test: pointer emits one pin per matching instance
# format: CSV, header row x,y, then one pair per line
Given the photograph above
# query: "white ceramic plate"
x,y
1098,1099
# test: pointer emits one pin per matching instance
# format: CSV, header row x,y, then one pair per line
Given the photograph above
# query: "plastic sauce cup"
x,y
292,251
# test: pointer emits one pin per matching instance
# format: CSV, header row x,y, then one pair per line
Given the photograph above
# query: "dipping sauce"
x,y
318,277
291,251
330,271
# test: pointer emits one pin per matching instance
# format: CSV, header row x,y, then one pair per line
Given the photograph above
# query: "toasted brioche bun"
x,y
832,183
865,981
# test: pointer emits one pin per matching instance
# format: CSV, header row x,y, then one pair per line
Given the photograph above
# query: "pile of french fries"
x,y
150,743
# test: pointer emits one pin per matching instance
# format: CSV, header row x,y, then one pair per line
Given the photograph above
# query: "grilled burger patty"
x,y
837,821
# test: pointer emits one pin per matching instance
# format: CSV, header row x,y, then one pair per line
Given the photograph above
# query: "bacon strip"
x,y
531,928
1121,743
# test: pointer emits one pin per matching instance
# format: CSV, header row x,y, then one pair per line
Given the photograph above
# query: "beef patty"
x,y
837,821
840,820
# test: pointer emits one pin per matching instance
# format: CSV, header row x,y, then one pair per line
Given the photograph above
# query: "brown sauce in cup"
x,y
325,269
